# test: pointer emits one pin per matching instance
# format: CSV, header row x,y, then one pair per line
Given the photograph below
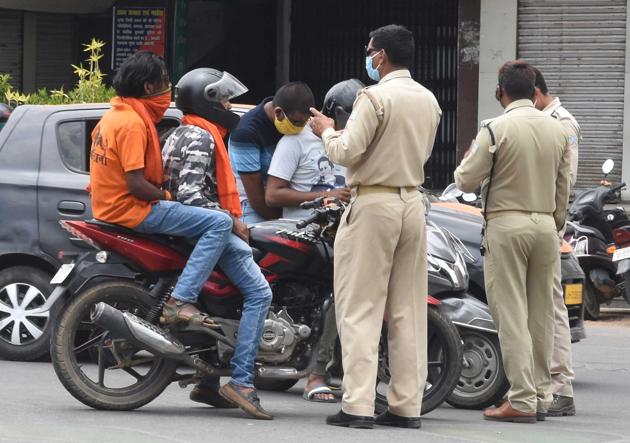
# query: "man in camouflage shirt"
x,y
197,173
189,167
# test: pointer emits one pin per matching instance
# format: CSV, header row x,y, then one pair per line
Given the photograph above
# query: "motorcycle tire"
x,y
69,360
591,300
270,384
444,345
482,382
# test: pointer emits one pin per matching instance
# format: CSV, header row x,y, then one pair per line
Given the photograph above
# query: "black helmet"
x,y
339,99
203,91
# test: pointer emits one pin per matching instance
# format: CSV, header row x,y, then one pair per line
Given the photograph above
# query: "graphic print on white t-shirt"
x,y
301,160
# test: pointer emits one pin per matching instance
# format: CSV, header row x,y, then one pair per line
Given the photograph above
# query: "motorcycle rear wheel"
x,y
444,355
76,337
591,300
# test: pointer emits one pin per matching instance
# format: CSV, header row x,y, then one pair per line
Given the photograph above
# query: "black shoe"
x,y
389,419
350,421
541,415
561,406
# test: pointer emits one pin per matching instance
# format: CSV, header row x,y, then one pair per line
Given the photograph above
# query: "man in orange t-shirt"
x,y
126,178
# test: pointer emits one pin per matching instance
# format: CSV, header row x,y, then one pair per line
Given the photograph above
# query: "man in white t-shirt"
x,y
300,171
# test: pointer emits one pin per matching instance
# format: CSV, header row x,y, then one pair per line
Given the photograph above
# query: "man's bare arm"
x,y
255,191
279,195
140,188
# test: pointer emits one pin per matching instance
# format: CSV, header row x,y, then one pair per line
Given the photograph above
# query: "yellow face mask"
x,y
285,127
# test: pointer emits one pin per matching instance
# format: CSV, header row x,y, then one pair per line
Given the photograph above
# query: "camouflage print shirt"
x,y
189,167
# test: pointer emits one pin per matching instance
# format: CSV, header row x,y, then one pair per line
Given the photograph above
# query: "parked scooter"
x,y
466,222
590,232
113,314
483,381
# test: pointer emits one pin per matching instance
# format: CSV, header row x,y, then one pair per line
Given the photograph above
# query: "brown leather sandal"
x,y
178,312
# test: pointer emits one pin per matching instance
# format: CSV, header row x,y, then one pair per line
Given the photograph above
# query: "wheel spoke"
x,y
101,366
4,323
30,296
5,308
133,373
12,292
15,334
33,313
34,330
88,343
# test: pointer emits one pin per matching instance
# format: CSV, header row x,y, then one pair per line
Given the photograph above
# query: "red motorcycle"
x,y
110,352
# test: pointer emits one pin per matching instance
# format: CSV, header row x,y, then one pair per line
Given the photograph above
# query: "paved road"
x,y
35,408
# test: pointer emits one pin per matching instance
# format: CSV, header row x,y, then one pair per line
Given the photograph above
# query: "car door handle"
x,y
71,207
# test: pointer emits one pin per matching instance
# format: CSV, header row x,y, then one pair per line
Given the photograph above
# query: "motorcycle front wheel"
x,y
83,355
483,381
444,355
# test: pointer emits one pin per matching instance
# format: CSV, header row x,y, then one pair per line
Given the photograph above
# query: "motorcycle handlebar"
x,y
308,221
618,187
312,204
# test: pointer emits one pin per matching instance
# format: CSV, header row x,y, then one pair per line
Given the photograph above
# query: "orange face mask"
x,y
157,104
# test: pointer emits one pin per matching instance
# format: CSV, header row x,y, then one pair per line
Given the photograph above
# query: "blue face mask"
x,y
372,72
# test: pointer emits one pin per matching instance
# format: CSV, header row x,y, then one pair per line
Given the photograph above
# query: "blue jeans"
x,y
249,214
236,260
211,228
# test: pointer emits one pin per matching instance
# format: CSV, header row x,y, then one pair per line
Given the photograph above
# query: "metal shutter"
x,y
11,46
579,46
55,51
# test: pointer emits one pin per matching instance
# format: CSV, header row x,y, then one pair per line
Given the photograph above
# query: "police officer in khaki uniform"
x,y
380,250
561,368
521,159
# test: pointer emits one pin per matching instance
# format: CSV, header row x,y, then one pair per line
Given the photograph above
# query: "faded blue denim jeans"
x,y
216,244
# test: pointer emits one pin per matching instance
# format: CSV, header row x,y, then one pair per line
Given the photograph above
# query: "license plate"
x,y
61,275
573,294
621,254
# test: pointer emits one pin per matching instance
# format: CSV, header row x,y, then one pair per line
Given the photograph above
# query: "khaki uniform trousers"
x,y
381,269
522,250
561,368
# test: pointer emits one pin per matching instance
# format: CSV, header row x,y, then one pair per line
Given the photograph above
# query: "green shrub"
x,y
88,89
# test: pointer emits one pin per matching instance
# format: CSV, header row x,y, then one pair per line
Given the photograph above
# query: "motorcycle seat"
x,y
173,242
183,247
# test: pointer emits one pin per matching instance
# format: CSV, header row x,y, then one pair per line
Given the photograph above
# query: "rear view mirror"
x,y
608,166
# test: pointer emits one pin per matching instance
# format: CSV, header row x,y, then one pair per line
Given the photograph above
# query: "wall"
x,y
497,44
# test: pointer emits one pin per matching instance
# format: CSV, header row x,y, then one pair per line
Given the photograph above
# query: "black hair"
x,y
294,97
138,69
398,43
517,78
323,159
540,82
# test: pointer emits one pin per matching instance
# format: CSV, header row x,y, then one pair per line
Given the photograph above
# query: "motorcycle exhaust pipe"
x,y
138,332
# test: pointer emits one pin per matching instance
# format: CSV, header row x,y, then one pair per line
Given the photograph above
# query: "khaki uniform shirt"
x,y
532,163
388,137
557,111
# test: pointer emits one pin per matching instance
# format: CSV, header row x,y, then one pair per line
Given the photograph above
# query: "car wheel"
x,y
24,333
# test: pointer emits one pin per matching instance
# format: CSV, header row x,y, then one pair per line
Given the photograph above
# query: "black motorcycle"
x,y
590,231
